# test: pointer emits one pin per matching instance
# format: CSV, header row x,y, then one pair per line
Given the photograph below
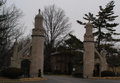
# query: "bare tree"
x,y
10,28
57,28
24,41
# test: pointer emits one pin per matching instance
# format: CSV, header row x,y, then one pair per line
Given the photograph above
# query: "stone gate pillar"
x,y
14,57
88,58
37,46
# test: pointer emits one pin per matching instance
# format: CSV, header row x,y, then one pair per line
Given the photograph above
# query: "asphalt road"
x,y
60,79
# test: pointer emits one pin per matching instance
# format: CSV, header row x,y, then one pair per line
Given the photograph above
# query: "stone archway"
x,y
96,72
25,65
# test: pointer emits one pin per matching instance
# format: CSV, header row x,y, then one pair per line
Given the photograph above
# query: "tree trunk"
x,y
99,39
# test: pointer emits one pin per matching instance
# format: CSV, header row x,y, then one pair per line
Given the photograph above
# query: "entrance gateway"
x,y
30,58
32,53
93,61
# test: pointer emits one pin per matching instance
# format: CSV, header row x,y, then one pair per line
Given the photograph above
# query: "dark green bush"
x,y
12,72
107,73
1,75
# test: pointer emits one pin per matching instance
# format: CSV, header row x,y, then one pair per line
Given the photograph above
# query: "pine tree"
x,y
104,31
71,45
73,48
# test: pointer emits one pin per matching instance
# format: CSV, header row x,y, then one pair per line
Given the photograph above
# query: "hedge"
x,y
12,72
107,73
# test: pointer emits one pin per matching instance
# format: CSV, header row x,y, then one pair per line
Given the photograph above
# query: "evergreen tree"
x,y
104,31
72,44
72,47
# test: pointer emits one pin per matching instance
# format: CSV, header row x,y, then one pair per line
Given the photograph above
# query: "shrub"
x,y
39,73
1,73
107,73
12,72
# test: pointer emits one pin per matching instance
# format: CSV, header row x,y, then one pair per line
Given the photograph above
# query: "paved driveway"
x,y
59,79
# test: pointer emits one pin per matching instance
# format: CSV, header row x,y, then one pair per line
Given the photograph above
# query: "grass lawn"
x,y
60,75
21,79
112,78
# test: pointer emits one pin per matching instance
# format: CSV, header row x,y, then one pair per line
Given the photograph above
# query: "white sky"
x,y
75,10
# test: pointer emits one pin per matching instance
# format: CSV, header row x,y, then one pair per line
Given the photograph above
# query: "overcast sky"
x,y
74,9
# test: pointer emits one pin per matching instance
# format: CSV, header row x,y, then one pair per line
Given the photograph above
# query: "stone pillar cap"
x,y
88,24
39,15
